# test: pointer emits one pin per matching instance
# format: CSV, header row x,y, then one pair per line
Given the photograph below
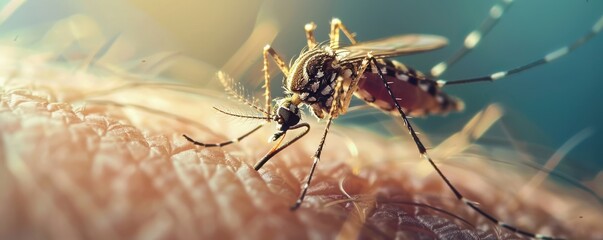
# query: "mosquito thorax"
x,y
313,77
286,114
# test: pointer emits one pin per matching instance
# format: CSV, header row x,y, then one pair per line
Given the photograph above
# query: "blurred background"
x,y
188,41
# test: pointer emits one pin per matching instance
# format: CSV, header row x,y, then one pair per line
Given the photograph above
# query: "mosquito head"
x,y
286,115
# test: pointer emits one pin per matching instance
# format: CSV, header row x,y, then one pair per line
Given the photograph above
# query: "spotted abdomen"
x,y
418,95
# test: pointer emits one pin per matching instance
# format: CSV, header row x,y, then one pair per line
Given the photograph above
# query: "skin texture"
x,y
80,161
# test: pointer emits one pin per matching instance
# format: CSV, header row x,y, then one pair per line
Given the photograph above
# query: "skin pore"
x,y
82,157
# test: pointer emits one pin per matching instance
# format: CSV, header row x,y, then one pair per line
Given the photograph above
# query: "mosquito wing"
x,y
392,46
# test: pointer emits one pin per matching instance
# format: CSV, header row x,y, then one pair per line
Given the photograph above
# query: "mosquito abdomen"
x,y
416,94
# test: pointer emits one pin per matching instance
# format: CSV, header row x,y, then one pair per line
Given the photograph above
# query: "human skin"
x,y
77,164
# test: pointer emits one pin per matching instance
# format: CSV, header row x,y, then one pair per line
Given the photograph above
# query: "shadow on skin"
x,y
80,165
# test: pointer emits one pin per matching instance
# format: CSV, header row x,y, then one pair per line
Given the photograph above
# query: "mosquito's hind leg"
x,y
473,38
552,56
423,151
337,25
268,50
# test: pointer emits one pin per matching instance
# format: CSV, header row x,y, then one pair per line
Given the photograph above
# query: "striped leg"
x,y
473,38
316,157
423,152
546,59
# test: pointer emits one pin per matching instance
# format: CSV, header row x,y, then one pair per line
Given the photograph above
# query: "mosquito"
x,y
326,76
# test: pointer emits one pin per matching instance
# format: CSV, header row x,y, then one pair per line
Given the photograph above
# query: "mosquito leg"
x,y
473,38
271,154
316,157
347,98
546,59
221,144
423,152
309,28
337,25
268,50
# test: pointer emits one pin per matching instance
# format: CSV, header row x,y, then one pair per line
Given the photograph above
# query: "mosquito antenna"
x,y
243,116
237,91
423,152
546,59
221,144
